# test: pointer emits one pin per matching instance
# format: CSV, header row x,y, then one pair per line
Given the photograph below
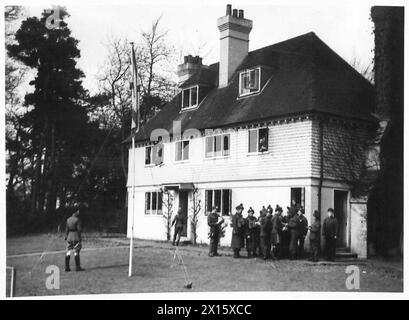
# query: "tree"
x,y
385,203
195,213
56,116
167,203
114,86
154,52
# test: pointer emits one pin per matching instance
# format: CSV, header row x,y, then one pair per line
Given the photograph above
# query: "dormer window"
x,y
249,82
190,97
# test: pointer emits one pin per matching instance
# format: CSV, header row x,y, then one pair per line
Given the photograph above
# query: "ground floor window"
x,y
298,195
153,202
221,198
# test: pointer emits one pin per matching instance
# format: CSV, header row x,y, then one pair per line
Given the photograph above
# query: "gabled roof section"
x,y
305,76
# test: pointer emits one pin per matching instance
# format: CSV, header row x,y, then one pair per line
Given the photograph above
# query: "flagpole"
x,y
135,97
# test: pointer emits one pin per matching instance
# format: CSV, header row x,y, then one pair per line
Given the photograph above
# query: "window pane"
x,y
226,202
252,140
253,81
296,196
218,199
218,146
263,140
226,145
147,202
243,82
148,155
185,150
193,96
160,202
209,200
178,155
209,147
154,200
186,100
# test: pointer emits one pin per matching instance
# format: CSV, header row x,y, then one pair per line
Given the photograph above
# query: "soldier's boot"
x,y
78,263
67,263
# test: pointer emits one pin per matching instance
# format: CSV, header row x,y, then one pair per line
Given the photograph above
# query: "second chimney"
x,y
234,42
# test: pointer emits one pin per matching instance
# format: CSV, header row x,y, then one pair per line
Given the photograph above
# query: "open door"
x,y
183,204
341,213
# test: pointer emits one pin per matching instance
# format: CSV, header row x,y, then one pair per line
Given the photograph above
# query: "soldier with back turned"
x,y
73,236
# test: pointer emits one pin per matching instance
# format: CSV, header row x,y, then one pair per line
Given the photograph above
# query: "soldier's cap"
x,y
291,210
269,209
240,207
278,208
330,210
316,214
250,210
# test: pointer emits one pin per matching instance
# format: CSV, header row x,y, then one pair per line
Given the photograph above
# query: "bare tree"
x,y
154,52
114,80
195,210
167,204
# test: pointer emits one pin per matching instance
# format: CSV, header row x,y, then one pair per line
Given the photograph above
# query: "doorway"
x,y
183,204
341,213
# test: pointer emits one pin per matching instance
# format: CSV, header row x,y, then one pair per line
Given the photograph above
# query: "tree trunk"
x,y
52,176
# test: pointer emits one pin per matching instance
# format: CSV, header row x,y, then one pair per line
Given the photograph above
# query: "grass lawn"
x,y
106,262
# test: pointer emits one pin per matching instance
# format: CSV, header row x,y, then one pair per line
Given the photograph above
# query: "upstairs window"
x,y
249,82
182,150
190,97
258,140
218,146
154,154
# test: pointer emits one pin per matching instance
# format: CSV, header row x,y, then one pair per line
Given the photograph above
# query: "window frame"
x,y
223,153
302,195
152,147
159,204
213,193
150,156
182,154
258,141
244,94
190,97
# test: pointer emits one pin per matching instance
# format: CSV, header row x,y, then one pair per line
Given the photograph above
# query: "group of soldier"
x,y
274,235
271,235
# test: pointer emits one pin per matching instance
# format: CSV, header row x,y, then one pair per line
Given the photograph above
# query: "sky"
x,y
346,28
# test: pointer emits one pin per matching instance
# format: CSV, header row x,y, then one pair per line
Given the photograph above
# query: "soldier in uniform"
x,y
285,236
73,238
315,235
238,224
214,221
276,230
330,231
302,231
251,233
293,227
179,222
265,232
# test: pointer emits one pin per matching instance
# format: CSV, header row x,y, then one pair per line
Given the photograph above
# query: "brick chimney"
x,y
188,67
234,42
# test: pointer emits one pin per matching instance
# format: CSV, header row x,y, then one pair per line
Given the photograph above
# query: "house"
x,y
287,121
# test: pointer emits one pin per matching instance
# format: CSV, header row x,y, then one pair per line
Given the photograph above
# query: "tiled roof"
x,y
305,76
